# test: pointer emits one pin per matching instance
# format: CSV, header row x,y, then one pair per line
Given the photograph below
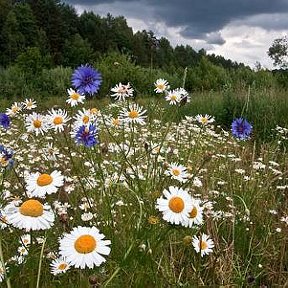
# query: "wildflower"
x,y
85,117
36,123
50,152
4,120
6,156
134,114
204,120
15,109
121,91
185,98
86,79
57,119
59,266
173,97
241,128
177,172
31,215
203,244
177,205
29,104
41,184
3,219
195,214
161,85
86,135
82,247
74,98
2,271
153,220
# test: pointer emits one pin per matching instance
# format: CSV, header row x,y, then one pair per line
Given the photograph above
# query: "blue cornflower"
x,y
6,155
86,135
4,120
241,128
86,79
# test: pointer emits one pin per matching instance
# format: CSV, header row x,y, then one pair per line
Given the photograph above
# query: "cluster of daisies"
x,y
173,97
85,247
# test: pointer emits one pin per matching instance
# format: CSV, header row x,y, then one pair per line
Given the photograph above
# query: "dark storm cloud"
x,y
199,19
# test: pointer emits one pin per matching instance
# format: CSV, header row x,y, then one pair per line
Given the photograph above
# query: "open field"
x,y
113,178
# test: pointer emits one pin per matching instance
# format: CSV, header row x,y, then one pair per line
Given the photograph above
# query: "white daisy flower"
x,y
195,215
2,271
15,109
29,104
41,184
36,123
3,219
25,240
121,91
50,152
184,95
74,98
59,266
84,117
173,97
204,120
82,247
23,251
30,215
161,85
177,172
177,205
134,114
57,119
203,244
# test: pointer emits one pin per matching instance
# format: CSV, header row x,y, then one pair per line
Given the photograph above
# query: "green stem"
x,y
8,283
40,263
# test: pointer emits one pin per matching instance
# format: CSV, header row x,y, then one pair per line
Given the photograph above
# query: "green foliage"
x,y
31,62
117,68
77,51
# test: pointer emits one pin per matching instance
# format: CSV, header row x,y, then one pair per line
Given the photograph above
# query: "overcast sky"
x,y
241,30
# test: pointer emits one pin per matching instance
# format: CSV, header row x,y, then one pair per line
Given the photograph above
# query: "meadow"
x,y
141,191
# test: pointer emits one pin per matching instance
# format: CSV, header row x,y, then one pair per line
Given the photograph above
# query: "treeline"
x,y
42,40
54,30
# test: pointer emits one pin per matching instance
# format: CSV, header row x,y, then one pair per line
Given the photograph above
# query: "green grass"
x,y
125,187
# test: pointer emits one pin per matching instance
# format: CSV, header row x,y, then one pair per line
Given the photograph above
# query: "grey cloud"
x,y
198,19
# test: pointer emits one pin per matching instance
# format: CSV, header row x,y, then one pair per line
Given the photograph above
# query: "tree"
x,y
77,51
13,39
278,52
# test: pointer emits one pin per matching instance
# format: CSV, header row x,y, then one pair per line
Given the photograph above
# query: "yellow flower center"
x,y
37,123
93,110
161,86
203,245
173,97
15,109
153,220
85,119
62,266
193,212
85,244
116,122
32,208
133,114
176,172
75,96
58,120
3,162
204,120
176,204
29,104
44,180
